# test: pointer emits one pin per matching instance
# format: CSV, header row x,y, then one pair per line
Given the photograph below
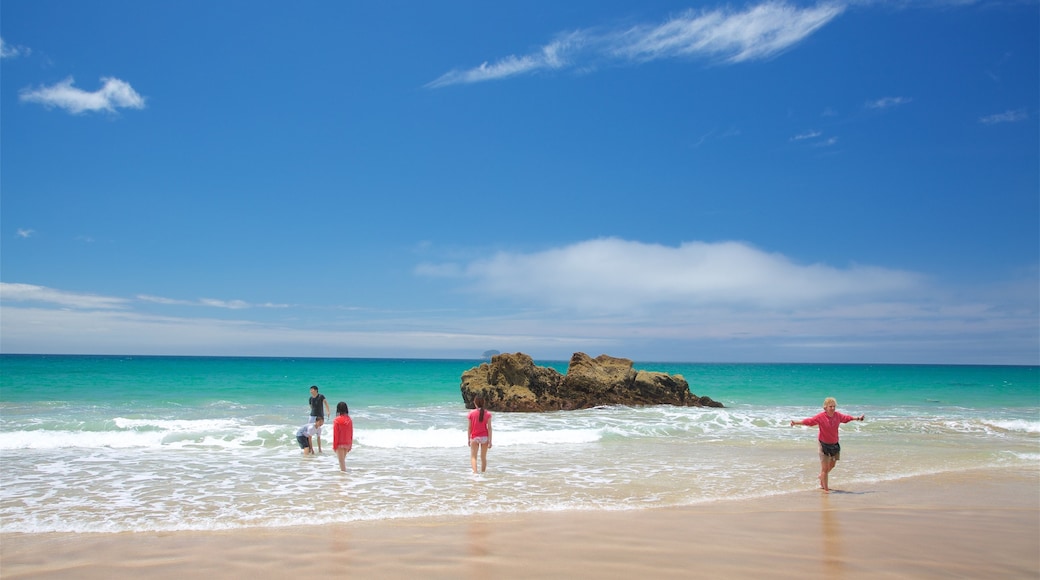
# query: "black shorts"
x,y
305,442
832,449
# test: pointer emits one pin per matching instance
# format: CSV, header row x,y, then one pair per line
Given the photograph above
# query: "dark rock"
x,y
512,382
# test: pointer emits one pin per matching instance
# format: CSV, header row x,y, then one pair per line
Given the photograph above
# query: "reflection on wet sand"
x,y
830,533
477,532
477,549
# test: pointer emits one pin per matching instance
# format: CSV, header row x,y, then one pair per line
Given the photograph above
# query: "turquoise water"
x,y
109,444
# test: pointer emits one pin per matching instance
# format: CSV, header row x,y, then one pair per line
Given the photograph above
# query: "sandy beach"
x,y
979,524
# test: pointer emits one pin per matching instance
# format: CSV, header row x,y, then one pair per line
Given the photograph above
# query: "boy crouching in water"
x,y
305,434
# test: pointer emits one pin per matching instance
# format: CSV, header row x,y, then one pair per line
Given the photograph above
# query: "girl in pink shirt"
x,y
479,434
828,421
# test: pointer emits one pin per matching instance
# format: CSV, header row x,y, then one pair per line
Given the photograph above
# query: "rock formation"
x,y
512,382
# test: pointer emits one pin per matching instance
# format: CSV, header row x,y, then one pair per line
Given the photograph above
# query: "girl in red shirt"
x,y
342,434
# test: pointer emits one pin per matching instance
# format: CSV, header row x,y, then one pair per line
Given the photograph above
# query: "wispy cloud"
x,y
806,135
31,293
716,135
887,102
11,292
209,302
1016,116
551,56
723,35
9,51
230,304
164,301
25,232
113,94
40,330
759,32
814,138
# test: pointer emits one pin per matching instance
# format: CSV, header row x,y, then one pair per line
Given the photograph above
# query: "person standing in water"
x,y
316,401
342,434
828,421
479,434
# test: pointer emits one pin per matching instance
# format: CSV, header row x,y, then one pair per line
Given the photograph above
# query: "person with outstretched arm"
x,y
828,422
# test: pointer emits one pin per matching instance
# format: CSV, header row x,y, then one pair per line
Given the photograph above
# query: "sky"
x,y
814,182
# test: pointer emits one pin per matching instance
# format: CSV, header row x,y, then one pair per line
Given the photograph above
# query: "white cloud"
x,y
1005,117
551,56
210,302
8,51
31,293
887,102
113,94
231,304
25,232
759,32
806,135
612,275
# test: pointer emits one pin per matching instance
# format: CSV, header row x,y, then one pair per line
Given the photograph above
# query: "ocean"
x,y
102,444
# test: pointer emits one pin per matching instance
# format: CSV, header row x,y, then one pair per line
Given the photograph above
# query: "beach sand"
x,y
980,524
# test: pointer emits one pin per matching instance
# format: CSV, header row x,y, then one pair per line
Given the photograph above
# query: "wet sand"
x,y
980,524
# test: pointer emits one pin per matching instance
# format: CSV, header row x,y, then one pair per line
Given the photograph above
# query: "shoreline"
x,y
970,523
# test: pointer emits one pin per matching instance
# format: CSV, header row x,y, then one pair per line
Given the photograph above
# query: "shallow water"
x,y
107,444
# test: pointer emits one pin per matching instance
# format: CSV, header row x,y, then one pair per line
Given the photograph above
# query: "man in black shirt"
x,y
316,401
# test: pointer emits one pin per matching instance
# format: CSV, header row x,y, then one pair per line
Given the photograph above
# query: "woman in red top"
x,y
479,434
828,421
342,434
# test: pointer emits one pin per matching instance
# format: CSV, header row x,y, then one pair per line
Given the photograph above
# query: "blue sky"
x,y
663,181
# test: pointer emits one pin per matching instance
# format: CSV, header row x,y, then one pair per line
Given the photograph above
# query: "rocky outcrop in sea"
x,y
512,382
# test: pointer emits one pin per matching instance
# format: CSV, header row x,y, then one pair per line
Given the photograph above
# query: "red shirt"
x,y
828,425
342,432
476,427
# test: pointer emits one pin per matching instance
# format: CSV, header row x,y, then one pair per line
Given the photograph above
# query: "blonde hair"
x,y
830,401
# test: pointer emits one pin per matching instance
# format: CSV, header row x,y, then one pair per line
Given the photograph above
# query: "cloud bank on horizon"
x,y
721,34
597,292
